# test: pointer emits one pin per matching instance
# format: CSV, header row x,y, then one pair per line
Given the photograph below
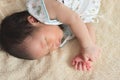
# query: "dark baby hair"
x,y
14,29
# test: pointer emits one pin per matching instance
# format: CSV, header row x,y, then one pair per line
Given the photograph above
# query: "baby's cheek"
x,y
44,49
54,41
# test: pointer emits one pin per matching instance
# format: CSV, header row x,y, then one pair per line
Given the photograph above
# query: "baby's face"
x,y
46,39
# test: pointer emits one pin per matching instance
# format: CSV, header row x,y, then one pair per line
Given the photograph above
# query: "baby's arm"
x,y
67,16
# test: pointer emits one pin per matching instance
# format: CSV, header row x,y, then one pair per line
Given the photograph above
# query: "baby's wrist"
x,y
92,46
87,44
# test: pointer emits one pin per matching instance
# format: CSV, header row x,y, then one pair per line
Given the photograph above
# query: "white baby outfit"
x,y
87,9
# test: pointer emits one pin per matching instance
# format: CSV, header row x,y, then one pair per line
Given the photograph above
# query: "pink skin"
x,y
44,40
80,64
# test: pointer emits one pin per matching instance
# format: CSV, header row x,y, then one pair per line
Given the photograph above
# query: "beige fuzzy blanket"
x,y
57,65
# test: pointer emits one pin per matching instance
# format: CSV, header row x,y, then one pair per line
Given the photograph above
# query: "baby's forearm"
x,y
74,21
81,32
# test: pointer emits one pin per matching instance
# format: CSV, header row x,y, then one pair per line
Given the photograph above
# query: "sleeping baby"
x,y
48,25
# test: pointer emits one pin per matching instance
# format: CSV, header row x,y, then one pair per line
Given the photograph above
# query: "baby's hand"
x,y
87,56
80,64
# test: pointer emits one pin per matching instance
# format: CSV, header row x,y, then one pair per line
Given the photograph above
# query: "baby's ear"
x,y
32,20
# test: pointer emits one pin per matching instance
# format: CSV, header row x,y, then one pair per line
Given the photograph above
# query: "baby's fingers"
x,y
84,68
80,66
76,65
88,65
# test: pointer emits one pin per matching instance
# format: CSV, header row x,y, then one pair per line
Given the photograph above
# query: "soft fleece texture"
x,y
57,65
